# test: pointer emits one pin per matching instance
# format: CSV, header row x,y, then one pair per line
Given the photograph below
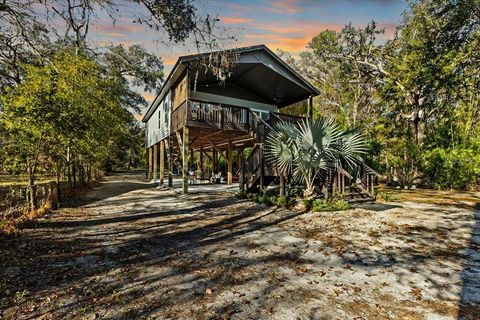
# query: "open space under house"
x,y
196,113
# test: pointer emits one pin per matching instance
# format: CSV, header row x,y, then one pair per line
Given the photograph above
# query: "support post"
x,y
185,160
214,161
150,163
162,161
201,163
146,163
310,108
169,161
229,164
262,171
155,162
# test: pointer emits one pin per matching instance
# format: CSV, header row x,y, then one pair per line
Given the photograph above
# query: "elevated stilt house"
x,y
195,112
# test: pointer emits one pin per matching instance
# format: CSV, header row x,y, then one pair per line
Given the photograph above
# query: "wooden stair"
x,y
257,171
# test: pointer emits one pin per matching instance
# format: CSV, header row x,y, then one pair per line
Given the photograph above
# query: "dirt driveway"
x,y
129,251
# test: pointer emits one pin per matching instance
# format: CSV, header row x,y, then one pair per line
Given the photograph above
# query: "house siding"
x,y
158,126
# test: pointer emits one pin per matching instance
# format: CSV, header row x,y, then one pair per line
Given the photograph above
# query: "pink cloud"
x,y
294,43
149,97
285,6
295,37
169,59
235,20
113,34
390,29
120,28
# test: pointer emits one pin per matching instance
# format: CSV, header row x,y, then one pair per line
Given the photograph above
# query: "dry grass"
x,y
462,199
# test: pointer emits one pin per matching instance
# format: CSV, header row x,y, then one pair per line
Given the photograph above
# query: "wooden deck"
x,y
213,124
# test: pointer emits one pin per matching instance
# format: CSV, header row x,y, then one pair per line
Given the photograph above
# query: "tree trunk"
x,y
58,184
32,192
74,172
69,170
89,173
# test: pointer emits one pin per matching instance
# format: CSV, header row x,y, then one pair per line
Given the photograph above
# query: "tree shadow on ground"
x,y
112,187
444,257
217,257
84,264
470,295
377,206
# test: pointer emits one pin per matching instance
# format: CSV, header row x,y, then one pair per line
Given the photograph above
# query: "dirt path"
x,y
128,251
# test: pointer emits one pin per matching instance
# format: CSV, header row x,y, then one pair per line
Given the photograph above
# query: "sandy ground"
x,y
131,251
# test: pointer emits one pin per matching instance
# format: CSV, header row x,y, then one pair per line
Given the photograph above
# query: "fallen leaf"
x,y
208,291
271,310
417,293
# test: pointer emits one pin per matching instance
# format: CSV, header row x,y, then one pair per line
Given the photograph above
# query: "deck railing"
x,y
210,115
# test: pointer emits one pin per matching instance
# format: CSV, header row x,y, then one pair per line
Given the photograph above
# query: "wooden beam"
x,y
214,161
162,161
155,162
193,140
147,162
150,163
179,139
201,162
206,155
217,150
169,161
310,108
229,164
185,160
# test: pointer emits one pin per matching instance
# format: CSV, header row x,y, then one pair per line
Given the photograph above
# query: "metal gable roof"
x,y
258,54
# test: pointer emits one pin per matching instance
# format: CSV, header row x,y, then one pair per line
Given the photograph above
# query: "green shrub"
x,y
319,205
241,195
281,201
452,168
263,198
308,203
389,197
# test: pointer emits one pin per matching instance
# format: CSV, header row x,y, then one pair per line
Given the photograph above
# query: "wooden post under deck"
x,y
162,161
185,160
229,164
155,162
262,171
214,162
169,161
310,108
150,163
146,163
201,163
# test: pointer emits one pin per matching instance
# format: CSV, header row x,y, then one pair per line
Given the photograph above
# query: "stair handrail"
x,y
344,172
349,176
248,158
261,120
370,170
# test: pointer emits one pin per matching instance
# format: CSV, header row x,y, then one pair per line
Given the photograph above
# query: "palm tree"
x,y
308,148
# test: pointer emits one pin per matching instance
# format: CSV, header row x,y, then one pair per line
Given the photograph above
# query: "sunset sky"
x,y
281,24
